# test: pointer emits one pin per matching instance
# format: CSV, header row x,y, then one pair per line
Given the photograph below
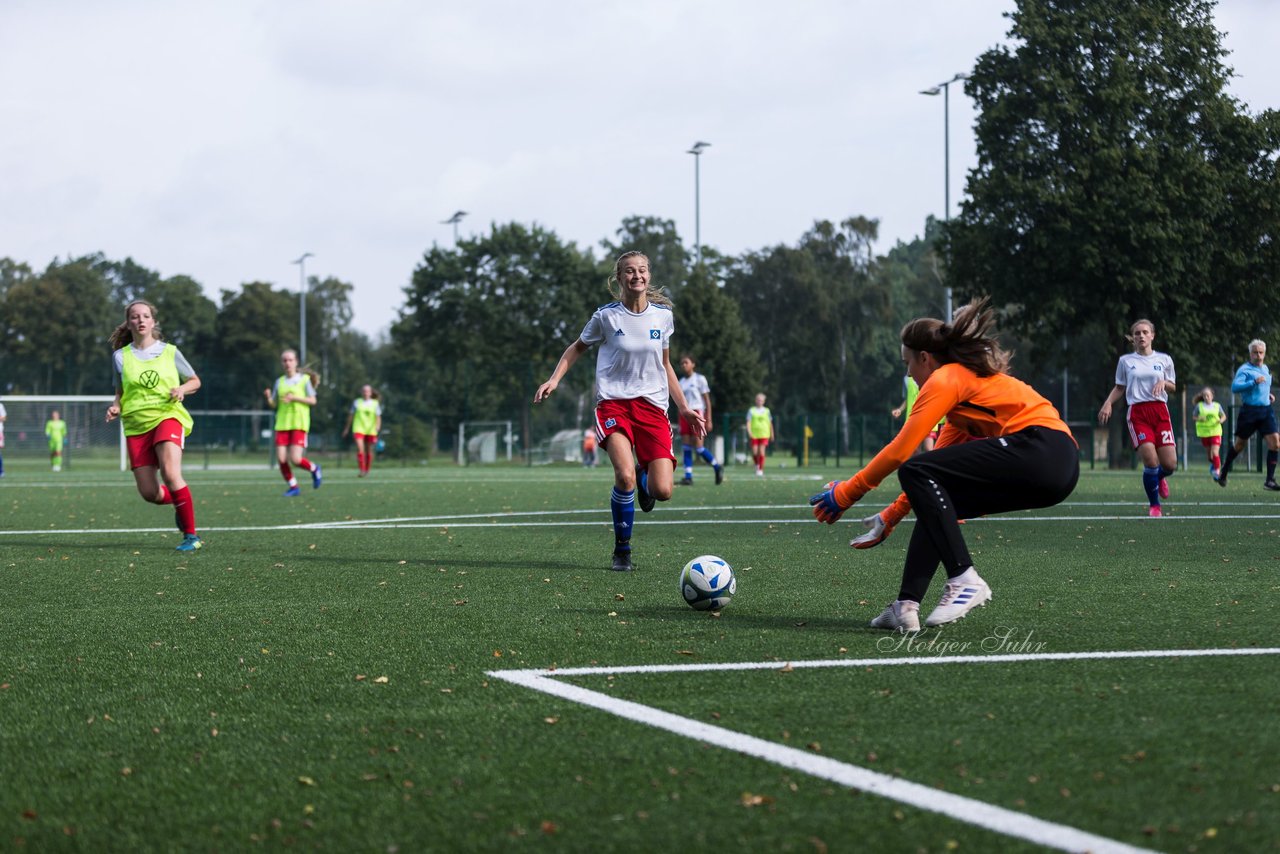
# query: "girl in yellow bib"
x,y
153,380
1209,419
365,418
292,397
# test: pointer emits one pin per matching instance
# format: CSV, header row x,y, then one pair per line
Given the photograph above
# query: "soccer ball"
x,y
707,583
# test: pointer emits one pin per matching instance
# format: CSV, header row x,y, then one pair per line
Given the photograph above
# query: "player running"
x,y
365,418
634,382
1209,419
153,378
1019,455
1253,383
292,397
759,431
1145,378
697,392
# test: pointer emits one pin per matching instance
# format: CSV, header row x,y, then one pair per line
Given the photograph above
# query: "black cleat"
x,y
621,562
1271,485
719,475
688,481
643,497
1222,478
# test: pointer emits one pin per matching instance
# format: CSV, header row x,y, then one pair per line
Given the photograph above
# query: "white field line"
x,y
456,521
966,810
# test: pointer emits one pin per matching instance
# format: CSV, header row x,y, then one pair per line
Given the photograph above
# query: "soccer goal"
x,y
90,440
478,441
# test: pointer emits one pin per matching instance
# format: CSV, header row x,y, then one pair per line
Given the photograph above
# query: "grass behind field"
x,y
311,679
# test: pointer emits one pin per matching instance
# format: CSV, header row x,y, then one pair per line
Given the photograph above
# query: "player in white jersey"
x,y
634,383
1145,377
697,392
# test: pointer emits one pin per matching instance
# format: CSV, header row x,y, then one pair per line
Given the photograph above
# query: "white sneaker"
x,y
900,616
964,593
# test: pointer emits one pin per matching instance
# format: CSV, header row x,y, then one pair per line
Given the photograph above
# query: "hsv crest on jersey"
x,y
655,333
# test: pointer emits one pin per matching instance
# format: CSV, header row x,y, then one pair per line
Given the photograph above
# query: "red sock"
x,y
166,497
286,471
307,464
360,460
1217,461
185,509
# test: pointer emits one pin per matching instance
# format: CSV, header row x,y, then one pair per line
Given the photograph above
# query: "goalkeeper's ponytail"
x,y
968,339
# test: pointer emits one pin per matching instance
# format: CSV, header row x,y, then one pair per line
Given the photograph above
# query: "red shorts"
x,y
1149,424
284,438
686,429
758,445
1211,441
369,438
142,448
645,426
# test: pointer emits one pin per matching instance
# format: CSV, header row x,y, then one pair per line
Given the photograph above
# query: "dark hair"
x,y
120,336
969,339
655,294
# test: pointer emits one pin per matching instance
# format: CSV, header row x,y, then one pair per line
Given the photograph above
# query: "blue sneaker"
x,y
315,477
292,492
190,543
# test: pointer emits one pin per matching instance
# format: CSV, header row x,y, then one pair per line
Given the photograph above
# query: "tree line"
x,y
1116,179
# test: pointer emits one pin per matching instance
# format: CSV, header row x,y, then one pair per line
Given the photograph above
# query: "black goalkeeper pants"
x,y
1035,467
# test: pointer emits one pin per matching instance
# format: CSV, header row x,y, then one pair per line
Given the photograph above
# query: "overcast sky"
x,y
223,139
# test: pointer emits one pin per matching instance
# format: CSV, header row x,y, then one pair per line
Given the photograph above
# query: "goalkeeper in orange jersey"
x,y
1019,455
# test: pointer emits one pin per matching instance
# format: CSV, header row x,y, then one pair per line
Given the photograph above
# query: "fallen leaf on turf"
x,y
684,652
613,613
497,653
787,669
312,546
619,597
402,562
214,732
750,800
814,746
551,720
382,680
306,781
549,827
360,677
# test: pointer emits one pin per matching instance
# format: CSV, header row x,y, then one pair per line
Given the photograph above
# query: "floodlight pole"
x,y
454,220
945,88
302,307
696,151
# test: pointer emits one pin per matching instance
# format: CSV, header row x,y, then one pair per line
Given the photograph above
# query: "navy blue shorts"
x,y
1256,419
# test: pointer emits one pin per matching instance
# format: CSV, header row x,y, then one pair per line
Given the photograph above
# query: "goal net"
x,y
90,440
484,441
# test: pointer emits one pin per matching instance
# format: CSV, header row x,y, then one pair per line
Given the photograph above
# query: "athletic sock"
x,y
307,464
1271,464
185,510
288,474
688,461
1151,483
706,454
166,497
1217,462
360,460
623,506
1231,458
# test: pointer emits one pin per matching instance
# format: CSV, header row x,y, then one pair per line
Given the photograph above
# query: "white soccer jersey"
x,y
1143,377
694,387
630,363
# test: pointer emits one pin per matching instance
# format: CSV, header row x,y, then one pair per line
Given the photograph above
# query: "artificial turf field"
x,y
438,659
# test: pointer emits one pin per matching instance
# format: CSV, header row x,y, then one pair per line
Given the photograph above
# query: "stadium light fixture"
x,y
454,220
696,151
945,89
302,307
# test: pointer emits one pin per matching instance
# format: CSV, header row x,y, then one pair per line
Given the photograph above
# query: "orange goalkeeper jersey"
x,y
974,406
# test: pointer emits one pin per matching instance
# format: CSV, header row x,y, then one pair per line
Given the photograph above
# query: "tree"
x,y
709,326
186,316
253,327
485,321
1116,180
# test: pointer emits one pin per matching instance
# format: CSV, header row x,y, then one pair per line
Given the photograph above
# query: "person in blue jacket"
x,y
1253,383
